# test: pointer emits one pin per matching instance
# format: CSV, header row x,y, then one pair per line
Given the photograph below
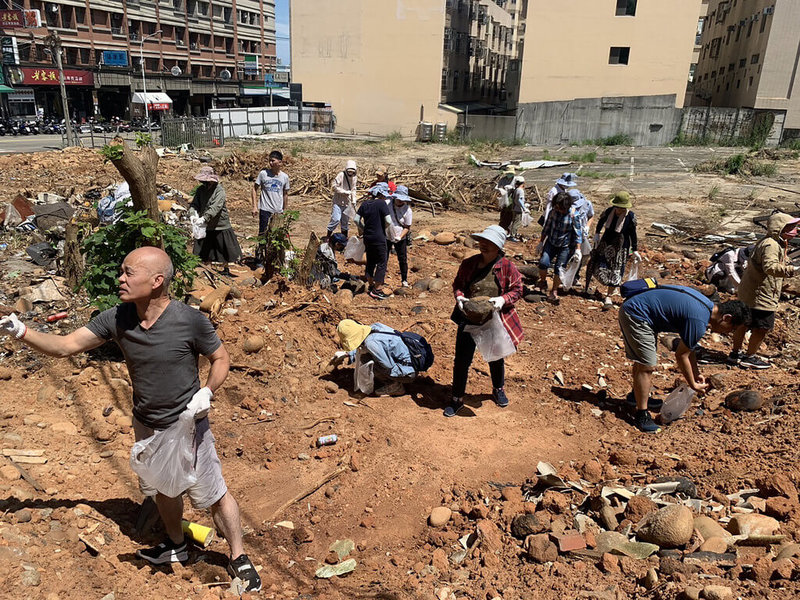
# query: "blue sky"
x,y
282,25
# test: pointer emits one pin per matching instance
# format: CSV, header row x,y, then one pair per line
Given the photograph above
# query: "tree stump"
x,y
73,260
140,173
304,273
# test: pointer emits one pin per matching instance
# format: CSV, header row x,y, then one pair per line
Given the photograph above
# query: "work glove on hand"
x,y
796,270
498,302
637,257
338,358
200,403
13,326
460,302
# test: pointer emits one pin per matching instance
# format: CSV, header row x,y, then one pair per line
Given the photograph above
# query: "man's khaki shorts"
x,y
210,486
640,340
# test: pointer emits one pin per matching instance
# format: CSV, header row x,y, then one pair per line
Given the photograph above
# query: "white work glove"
x,y
637,257
498,302
193,214
200,404
13,326
338,358
577,256
796,270
460,302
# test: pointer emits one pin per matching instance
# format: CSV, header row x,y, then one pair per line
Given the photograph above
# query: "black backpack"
x,y
418,347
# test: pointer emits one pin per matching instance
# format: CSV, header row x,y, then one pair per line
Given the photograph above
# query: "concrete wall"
x,y
649,120
375,61
568,42
488,127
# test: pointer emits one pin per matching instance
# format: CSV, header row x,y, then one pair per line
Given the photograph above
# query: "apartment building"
x,y
482,44
607,48
750,57
196,54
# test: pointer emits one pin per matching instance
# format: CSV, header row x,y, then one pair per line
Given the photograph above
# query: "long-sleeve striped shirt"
x,y
563,229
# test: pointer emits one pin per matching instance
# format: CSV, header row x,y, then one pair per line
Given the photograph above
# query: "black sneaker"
x,y
704,357
499,397
453,409
644,422
165,552
734,358
653,404
378,295
242,568
751,361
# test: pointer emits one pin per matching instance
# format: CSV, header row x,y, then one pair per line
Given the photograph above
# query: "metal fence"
x,y
237,122
96,139
199,132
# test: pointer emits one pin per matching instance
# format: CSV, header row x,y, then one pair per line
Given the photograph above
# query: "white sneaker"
x,y
405,284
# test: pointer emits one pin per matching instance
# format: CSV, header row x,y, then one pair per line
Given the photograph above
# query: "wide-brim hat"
x,y
381,188
622,200
207,174
494,234
352,334
400,196
381,170
567,180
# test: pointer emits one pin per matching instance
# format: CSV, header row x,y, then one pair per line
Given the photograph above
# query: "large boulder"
x,y
444,238
668,527
753,524
524,525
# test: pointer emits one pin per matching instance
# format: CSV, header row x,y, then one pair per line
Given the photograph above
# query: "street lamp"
x,y
144,85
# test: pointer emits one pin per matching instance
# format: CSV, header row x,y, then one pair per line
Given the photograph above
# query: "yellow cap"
x,y
352,334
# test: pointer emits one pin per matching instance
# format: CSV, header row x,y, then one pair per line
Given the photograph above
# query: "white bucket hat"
x,y
494,234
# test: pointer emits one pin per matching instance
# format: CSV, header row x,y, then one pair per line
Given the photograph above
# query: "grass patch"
x,y
395,136
610,161
738,164
713,192
620,139
791,144
586,157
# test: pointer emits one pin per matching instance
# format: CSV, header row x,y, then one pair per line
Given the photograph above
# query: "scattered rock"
x,y
669,527
623,458
744,400
608,517
717,592
444,238
439,560
762,570
478,310
753,524
685,485
253,343
436,285
788,551
783,569
303,535
716,545
421,285
555,502
511,493
780,507
344,296
778,484
650,579
439,516
24,515
609,563
30,577
540,549
638,508
47,394
65,427
5,373
9,473
709,528
489,534
691,593
331,387
524,525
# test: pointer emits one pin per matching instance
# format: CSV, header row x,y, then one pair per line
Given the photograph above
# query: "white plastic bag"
x,y
350,211
198,228
165,460
364,375
492,339
571,270
355,249
527,219
503,200
633,271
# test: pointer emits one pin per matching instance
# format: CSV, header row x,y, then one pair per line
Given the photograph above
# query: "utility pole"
x,y
53,41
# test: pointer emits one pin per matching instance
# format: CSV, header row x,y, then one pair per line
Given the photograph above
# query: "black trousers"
x,y
465,351
377,257
401,248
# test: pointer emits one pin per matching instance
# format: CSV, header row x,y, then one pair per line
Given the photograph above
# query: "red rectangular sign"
x,y
11,18
49,76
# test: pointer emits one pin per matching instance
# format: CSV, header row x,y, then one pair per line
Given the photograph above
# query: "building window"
x,y
455,80
754,59
750,29
731,67
742,63
763,23
619,55
99,18
721,71
80,15
738,83
626,8
444,80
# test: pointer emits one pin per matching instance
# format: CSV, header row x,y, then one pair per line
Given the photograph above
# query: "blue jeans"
x,y
555,257
264,217
338,218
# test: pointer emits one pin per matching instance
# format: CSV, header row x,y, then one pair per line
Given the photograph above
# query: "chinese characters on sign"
x,y
47,76
115,58
12,18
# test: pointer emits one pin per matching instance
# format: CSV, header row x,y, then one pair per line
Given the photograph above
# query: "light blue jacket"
x,y
389,351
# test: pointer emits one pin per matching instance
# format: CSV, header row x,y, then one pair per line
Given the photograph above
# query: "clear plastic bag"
x,y
569,272
527,219
633,271
355,249
198,229
492,339
165,460
677,403
364,375
350,211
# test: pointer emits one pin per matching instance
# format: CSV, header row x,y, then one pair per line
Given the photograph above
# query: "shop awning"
x,y
155,100
4,89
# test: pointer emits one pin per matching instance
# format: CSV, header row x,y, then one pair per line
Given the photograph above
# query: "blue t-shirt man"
x,y
675,309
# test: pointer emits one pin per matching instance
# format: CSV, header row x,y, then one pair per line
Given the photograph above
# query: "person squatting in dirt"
x,y
373,219
561,238
761,287
343,205
615,240
486,283
209,211
727,267
393,365
153,331
676,309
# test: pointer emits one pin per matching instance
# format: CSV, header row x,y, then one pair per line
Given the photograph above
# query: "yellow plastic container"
x,y
200,534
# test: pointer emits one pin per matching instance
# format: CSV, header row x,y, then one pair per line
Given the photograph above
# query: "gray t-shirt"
x,y
162,360
272,187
